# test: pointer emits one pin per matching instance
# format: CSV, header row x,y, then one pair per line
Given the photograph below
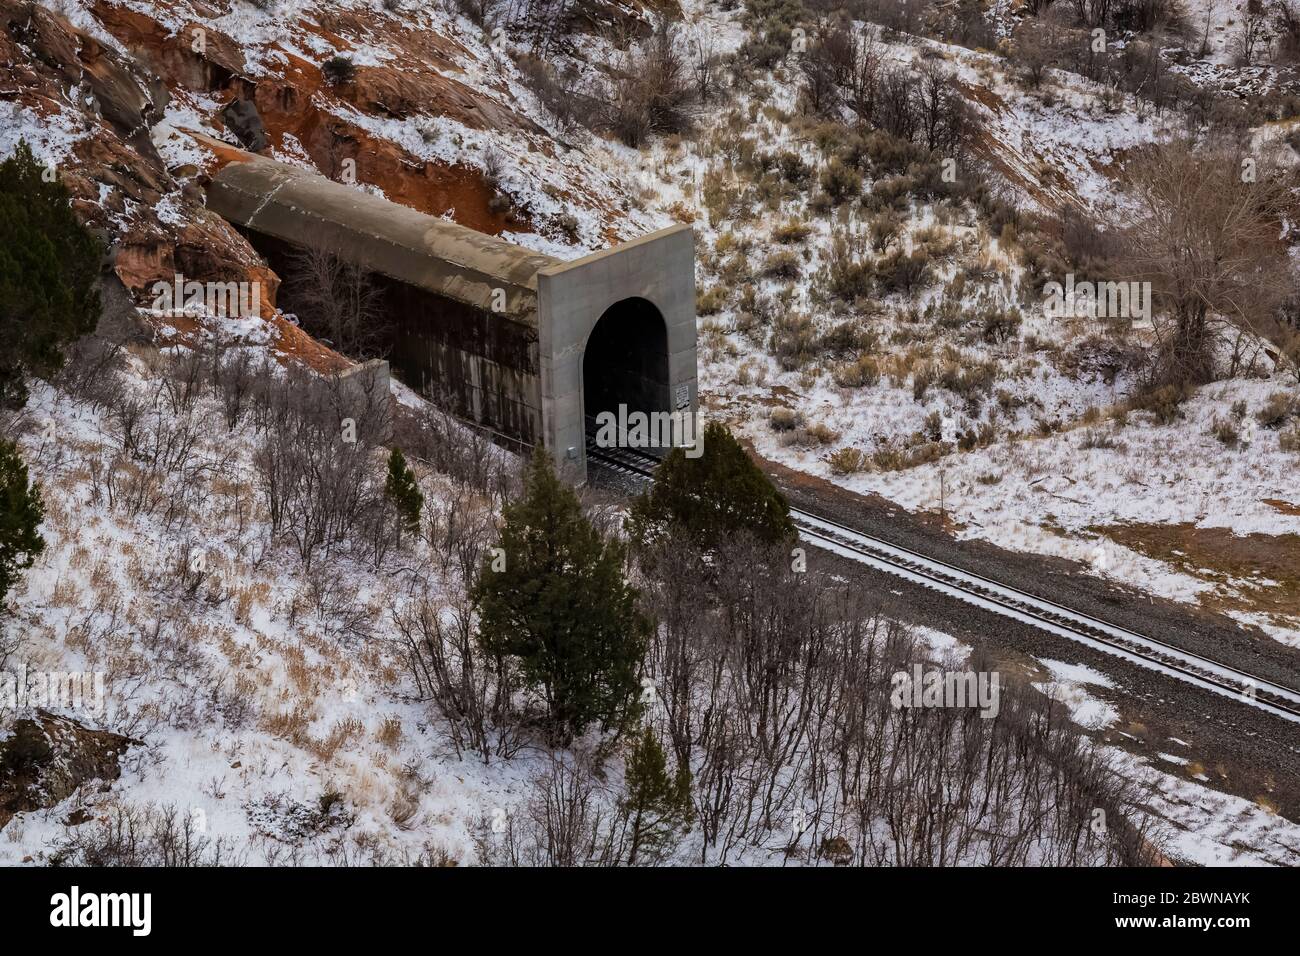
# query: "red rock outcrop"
x,y
114,173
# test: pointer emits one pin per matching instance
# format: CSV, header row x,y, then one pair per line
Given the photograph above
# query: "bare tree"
x,y
820,92
1206,237
1032,51
647,89
1253,34
775,686
941,113
564,820
557,89
896,105
1286,21
1091,12
472,691
481,13
705,64
337,301
863,81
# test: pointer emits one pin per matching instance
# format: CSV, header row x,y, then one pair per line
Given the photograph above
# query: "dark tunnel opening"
x,y
626,361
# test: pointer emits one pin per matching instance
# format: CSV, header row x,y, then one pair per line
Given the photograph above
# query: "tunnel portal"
x,y
513,340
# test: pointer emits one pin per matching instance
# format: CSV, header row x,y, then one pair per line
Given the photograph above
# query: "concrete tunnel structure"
x,y
520,343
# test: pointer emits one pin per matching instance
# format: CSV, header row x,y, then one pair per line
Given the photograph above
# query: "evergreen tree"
x,y
49,265
401,489
656,808
554,598
719,493
21,513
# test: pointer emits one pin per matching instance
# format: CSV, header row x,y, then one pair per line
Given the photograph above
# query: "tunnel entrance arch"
x,y
625,362
616,326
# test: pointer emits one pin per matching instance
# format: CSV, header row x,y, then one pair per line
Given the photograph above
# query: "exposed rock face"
x,y
57,69
293,107
206,248
47,758
107,84
154,219
116,177
241,118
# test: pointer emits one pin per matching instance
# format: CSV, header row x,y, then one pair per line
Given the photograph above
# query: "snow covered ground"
x,y
1202,826
247,698
257,702
1024,490
321,716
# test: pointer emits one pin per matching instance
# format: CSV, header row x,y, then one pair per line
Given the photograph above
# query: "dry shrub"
x,y
793,340
791,231
849,272
839,182
1275,411
785,264
848,461
784,419
390,733
290,725
903,271
810,436
884,228
712,301
865,372
403,808
648,90
1225,431
344,732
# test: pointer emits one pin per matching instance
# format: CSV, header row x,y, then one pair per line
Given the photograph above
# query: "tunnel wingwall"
x,y
572,297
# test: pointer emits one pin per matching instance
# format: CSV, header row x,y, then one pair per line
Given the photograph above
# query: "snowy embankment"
x,y
258,692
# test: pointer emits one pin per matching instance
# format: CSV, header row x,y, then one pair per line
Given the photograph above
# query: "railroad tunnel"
x,y
521,344
625,362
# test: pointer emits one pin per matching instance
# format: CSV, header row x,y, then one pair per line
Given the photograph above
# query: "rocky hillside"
x,y
862,318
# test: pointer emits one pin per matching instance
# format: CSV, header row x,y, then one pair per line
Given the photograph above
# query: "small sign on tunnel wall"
x,y
682,396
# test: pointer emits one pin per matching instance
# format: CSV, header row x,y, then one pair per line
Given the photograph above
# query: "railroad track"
x,y
975,589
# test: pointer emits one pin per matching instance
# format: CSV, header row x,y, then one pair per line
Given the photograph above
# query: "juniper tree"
x,y
339,70
656,808
49,265
401,489
21,513
721,492
554,597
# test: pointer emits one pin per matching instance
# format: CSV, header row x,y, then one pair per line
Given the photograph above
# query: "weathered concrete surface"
x,y
479,365
572,298
441,257
496,331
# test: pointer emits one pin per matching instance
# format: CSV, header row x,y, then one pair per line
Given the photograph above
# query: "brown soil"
x,y
1255,572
